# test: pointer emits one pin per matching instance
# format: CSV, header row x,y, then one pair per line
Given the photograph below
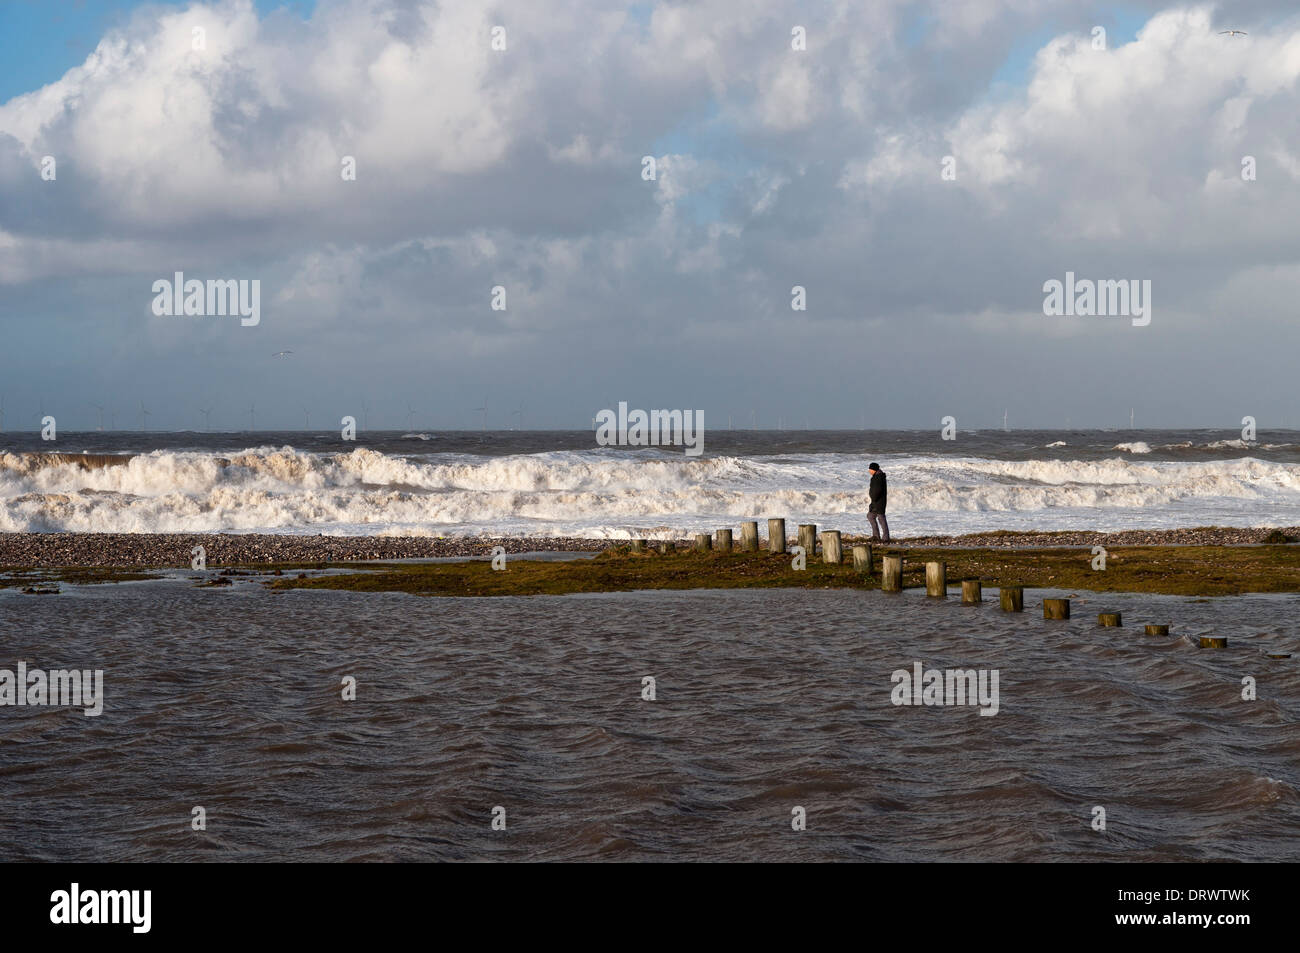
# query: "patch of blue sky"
x,y
40,40
708,136
916,27
1120,23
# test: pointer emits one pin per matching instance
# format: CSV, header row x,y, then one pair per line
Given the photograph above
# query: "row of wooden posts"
x,y
832,549
1011,598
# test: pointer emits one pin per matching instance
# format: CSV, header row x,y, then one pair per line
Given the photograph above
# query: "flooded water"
x,y
765,701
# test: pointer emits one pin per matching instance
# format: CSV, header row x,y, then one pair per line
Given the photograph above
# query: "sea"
x,y
245,724
539,484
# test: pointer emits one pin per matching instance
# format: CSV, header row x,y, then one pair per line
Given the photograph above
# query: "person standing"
x,y
879,494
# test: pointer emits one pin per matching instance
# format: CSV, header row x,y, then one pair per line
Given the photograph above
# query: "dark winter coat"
x,y
879,492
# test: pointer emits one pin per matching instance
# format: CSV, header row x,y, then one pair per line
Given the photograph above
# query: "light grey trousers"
x,y
881,530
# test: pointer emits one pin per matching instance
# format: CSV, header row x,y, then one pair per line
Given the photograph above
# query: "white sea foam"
x,y
1230,444
1137,446
618,493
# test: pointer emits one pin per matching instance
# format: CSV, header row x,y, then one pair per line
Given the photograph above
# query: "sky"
x,y
1111,141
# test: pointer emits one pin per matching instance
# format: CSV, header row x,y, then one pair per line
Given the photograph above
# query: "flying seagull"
x,y
281,353
1233,33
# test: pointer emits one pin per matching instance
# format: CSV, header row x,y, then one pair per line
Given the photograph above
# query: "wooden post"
x,y
832,549
1214,642
1157,630
703,542
1012,598
808,539
776,535
891,574
972,592
723,541
638,545
1056,608
862,558
667,546
749,536
1109,620
936,580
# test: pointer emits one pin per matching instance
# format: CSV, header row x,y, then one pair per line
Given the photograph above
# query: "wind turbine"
x,y
410,417
144,418
520,414
251,424
1130,418
207,419
1004,419
484,410
306,417
100,408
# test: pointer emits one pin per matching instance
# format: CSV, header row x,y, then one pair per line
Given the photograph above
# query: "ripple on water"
x,y
765,700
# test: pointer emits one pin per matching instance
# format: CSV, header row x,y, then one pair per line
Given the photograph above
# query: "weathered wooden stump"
x,y
1056,608
723,541
972,592
749,536
1214,642
832,548
776,536
1012,598
667,546
1110,620
936,580
1157,630
891,574
808,538
638,545
862,558
703,542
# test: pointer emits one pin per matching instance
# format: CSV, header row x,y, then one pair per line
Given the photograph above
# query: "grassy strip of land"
x,y
11,576
1173,570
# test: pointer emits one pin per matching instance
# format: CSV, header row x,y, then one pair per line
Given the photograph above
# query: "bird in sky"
x,y
281,353
1233,33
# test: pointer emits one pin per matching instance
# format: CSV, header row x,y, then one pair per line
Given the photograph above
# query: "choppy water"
x,y
528,483
230,699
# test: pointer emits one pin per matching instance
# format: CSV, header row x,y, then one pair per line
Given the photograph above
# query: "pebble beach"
x,y
172,550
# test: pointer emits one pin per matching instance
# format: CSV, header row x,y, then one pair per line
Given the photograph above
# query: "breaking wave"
x,y
619,493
